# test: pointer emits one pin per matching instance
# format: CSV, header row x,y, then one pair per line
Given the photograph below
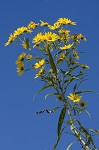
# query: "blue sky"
x,y
20,128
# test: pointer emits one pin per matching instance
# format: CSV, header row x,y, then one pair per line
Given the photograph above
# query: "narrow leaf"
x,y
58,139
52,62
68,148
71,79
41,48
72,69
50,94
59,60
94,130
87,113
42,89
54,109
47,111
27,43
61,119
83,91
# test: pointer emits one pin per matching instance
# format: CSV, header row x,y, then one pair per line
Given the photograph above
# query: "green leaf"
x,y
54,109
68,148
50,94
61,118
94,131
41,48
72,69
58,139
52,62
83,91
27,43
87,113
37,58
42,89
59,60
72,127
71,79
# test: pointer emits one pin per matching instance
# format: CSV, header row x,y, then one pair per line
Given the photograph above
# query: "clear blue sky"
x,y
20,128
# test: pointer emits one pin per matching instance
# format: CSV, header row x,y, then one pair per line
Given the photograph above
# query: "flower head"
x,y
64,31
66,47
84,66
32,25
41,71
62,56
54,27
44,23
20,58
10,39
28,57
50,71
26,44
74,97
38,38
76,37
39,64
75,54
16,33
20,31
82,104
20,68
49,36
63,21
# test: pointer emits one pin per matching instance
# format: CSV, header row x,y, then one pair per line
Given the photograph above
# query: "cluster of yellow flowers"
x,y
20,64
60,39
56,25
39,65
41,71
16,33
76,37
32,25
48,36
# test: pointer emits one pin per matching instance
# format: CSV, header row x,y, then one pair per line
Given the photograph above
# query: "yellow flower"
x,y
82,104
32,25
63,21
62,56
75,54
38,38
16,33
84,66
29,57
26,44
39,64
20,58
10,39
44,23
49,36
50,71
20,68
20,31
76,37
41,71
66,47
74,97
63,31
54,27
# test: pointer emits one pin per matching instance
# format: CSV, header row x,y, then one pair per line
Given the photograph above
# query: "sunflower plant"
x,y
56,63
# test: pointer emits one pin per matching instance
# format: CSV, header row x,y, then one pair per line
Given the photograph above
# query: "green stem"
x,y
76,133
